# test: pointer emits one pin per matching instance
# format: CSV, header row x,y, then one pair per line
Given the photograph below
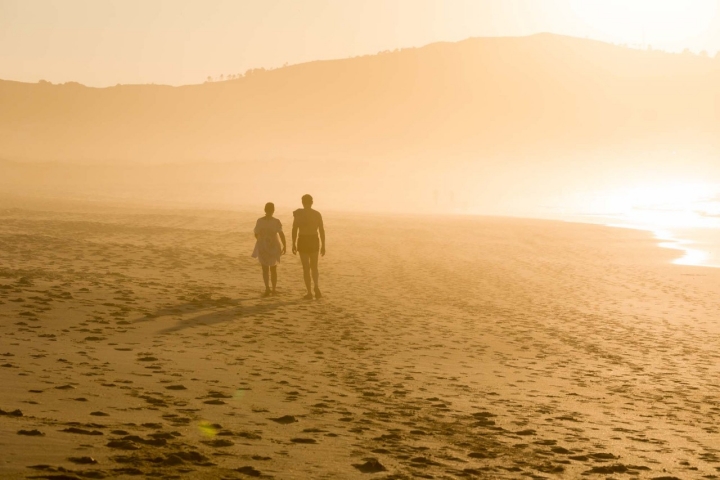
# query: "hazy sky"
x,y
105,42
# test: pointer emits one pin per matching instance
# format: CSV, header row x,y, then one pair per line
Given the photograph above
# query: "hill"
x,y
533,102
484,95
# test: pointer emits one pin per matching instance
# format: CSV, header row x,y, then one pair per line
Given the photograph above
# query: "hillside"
x,y
483,102
485,95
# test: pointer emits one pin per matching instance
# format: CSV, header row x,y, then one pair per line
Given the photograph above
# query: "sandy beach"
x,y
135,343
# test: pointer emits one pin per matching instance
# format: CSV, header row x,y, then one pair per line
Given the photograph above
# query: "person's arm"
x,y
321,229
282,239
294,235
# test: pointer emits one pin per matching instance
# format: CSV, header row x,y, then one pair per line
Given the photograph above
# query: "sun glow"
x,y
661,205
669,211
660,23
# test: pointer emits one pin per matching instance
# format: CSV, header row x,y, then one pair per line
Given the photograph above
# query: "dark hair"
x,y
307,199
269,207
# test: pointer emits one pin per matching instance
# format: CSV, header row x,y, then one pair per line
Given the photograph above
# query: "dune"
x,y
135,342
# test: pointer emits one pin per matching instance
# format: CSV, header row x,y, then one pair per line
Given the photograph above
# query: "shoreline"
x,y
692,257
689,241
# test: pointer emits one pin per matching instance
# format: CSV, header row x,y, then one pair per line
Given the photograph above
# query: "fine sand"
x,y
135,343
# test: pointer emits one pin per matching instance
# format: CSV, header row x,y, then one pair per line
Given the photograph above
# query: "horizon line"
x,y
639,47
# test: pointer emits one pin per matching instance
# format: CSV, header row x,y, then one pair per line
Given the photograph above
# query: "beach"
x,y
135,342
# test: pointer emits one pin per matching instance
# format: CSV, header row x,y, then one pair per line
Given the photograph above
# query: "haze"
x,y
184,42
360,239
548,109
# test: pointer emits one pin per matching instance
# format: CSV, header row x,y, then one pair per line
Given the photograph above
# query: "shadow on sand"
x,y
191,307
233,310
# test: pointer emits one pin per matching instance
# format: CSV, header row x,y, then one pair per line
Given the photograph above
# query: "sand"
x,y
135,343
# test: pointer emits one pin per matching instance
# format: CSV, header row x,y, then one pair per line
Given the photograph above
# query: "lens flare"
x,y
207,429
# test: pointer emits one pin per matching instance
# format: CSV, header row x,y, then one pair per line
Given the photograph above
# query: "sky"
x,y
176,42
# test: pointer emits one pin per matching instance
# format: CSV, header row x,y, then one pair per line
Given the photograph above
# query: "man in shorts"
x,y
307,223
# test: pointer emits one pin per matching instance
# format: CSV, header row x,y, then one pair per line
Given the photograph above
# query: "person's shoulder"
x,y
298,212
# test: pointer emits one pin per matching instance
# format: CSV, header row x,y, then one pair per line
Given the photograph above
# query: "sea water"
x,y
697,240
696,246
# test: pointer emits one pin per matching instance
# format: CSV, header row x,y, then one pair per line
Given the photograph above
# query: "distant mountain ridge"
x,y
471,100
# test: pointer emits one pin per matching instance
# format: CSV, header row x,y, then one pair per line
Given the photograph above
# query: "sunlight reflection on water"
x,y
694,252
691,256
681,216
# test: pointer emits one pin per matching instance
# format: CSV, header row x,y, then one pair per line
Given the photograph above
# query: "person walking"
x,y
267,247
307,224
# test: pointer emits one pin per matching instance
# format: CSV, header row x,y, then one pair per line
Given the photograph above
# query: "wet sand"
x,y
135,342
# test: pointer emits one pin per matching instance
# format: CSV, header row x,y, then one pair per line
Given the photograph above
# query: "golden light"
x,y
666,205
661,23
667,210
653,205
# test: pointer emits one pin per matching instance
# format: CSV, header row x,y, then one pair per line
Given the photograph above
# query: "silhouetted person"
x,y
307,223
267,247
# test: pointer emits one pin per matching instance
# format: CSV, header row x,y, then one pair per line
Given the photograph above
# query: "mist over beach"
x,y
404,239
527,126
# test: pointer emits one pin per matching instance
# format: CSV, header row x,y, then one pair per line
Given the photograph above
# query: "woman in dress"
x,y
267,247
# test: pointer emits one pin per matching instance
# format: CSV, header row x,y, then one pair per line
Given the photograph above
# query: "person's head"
x,y
307,200
269,208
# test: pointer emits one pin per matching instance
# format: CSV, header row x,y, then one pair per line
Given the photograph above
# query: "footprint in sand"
x,y
83,460
303,440
81,431
249,471
219,443
176,387
14,413
284,420
371,465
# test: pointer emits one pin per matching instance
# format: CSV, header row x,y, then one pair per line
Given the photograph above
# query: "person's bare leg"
x,y
266,279
305,259
273,277
315,273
